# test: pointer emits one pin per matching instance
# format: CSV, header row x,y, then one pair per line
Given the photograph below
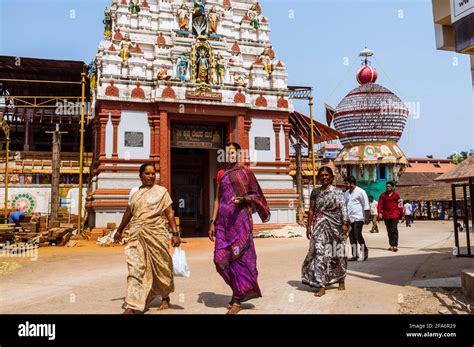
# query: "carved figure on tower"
x,y
253,16
125,45
199,18
107,23
220,69
202,62
267,62
214,19
92,74
239,79
183,17
163,74
203,66
134,6
182,68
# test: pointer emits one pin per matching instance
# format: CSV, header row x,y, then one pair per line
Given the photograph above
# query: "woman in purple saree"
x,y
238,196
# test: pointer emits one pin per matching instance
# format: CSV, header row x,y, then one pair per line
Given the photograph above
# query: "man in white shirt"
x,y
358,209
374,214
407,209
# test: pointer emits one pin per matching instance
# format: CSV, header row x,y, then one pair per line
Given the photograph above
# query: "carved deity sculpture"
x,y
220,69
253,15
214,19
134,6
92,74
267,62
183,17
203,66
107,23
163,74
239,80
125,45
199,18
182,68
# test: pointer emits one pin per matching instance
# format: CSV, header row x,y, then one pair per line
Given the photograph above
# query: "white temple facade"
x,y
172,82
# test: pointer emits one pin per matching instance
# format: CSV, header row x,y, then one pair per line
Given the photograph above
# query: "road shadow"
x,y
214,300
401,269
157,302
298,285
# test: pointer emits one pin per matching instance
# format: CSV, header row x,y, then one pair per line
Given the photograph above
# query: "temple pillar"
x,y
241,131
115,124
286,129
164,151
277,129
151,123
103,120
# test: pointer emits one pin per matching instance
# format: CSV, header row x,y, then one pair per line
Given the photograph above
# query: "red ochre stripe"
x,y
374,133
379,110
369,92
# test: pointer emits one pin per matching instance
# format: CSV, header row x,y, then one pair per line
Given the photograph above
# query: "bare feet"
x,y
229,305
342,286
234,309
320,293
165,304
129,311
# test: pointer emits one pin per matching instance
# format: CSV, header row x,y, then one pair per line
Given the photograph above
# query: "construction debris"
x,y
8,267
288,232
109,239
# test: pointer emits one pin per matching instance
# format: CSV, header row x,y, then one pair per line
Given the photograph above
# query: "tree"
x,y
457,158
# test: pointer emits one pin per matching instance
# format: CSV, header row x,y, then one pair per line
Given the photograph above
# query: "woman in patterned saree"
x,y
238,196
150,267
327,229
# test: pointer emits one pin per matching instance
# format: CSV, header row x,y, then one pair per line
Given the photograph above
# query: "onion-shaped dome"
x,y
371,113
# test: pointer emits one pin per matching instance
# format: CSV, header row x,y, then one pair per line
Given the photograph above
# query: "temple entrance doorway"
x,y
193,175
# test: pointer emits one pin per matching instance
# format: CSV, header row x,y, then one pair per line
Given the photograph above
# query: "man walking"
x,y
390,210
414,209
374,214
359,214
407,208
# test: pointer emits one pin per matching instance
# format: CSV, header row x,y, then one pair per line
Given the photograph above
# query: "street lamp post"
x,y
313,160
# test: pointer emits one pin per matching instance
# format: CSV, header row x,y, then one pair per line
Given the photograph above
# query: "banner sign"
x,y
461,9
197,136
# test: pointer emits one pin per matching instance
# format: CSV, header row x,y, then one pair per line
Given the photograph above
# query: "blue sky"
x,y
319,41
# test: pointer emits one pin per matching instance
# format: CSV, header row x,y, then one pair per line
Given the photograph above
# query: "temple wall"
x,y
136,122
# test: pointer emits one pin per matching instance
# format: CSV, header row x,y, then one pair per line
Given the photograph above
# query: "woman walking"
x,y
238,196
327,229
150,267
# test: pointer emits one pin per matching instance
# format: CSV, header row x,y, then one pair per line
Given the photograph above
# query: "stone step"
x,y
467,279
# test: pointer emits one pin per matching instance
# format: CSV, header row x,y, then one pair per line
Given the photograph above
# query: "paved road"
x,y
90,279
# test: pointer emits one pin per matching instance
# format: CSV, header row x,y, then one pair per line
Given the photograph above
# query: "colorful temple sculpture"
x,y
173,82
373,119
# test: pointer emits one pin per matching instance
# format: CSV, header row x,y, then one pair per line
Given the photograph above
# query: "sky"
x,y
318,40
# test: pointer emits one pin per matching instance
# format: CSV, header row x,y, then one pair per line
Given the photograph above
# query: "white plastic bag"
x,y
180,264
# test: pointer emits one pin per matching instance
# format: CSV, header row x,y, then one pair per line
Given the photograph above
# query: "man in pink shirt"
x,y
390,209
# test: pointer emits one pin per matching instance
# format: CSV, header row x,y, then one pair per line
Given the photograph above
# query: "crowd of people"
x,y
333,217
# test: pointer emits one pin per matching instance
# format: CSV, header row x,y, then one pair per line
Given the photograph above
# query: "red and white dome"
x,y
370,113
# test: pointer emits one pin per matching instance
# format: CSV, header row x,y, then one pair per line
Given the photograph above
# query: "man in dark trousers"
x,y
358,209
391,210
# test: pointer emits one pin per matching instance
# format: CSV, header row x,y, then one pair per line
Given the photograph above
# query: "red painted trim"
x,y
376,110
